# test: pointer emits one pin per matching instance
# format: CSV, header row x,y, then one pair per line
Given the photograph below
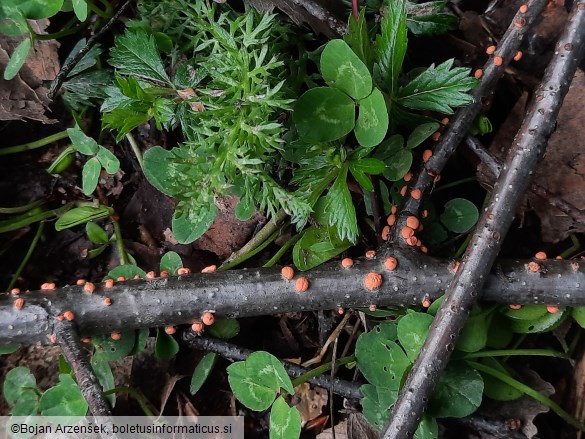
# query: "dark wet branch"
x,y
73,351
495,166
344,388
459,125
245,293
464,289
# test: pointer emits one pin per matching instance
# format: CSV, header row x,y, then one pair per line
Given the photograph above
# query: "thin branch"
x,y
179,300
495,166
460,123
87,381
347,389
528,148
68,66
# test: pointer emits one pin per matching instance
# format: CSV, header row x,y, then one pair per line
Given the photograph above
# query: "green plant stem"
x,y
573,249
530,392
321,370
21,209
134,394
30,218
455,183
26,258
251,253
61,33
516,352
106,14
120,243
34,145
288,244
136,149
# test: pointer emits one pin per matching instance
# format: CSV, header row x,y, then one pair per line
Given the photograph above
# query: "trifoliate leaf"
x,y
135,54
391,44
340,210
84,144
438,89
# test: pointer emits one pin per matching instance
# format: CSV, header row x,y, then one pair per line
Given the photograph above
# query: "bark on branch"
x,y
244,293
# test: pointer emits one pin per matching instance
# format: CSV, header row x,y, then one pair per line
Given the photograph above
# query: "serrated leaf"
x,y
421,133
108,160
428,18
256,380
285,421
190,225
171,262
358,39
372,121
90,175
342,69
84,144
202,372
359,169
81,215
458,393
340,210
80,9
412,332
96,234
88,60
391,44
460,215
439,88
135,54
324,114
17,59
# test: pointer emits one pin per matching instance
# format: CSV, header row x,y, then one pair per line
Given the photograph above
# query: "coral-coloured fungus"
x,y
69,316
373,281
19,303
346,262
515,306
15,291
107,301
490,50
207,318
80,282
370,254
552,309
302,284
523,9
151,275
116,336
390,263
416,194
287,272
197,327
89,287
385,233
407,232
427,154
209,269
412,222
540,255
498,60
109,283
391,220
164,273
170,330
407,176
518,56
183,271
533,266
478,73
48,286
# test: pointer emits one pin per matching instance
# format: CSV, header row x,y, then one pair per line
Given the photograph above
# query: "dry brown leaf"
x,y
312,400
25,96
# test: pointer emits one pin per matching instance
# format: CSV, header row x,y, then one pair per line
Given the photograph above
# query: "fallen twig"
x,y
179,300
528,148
344,388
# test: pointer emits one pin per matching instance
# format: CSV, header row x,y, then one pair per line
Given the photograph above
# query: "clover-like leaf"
x,y
83,143
17,59
108,160
18,382
412,332
458,393
65,399
190,224
90,175
171,262
372,121
323,114
343,69
285,421
460,215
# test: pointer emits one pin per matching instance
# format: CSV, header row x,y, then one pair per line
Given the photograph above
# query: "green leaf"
x,y
80,9
110,349
308,254
245,208
372,121
460,215
427,429
438,89
9,348
391,44
63,161
428,18
96,234
108,160
376,403
421,133
342,69
474,336
135,54
324,114
578,314
359,168
542,324
157,169
285,421
90,175
412,332
27,405
128,271
202,372
495,388
358,39
340,210
166,346
256,380
499,335
380,359
171,262
18,382
37,9
188,226
103,371
84,144
65,399
527,312
82,215
458,393
224,329
17,59
397,166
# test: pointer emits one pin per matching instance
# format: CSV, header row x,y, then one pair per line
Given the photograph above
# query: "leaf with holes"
x,y
380,359
341,68
110,349
376,403
256,381
323,114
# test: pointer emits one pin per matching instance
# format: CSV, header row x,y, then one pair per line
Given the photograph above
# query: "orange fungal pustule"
x,y
207,318
478,73
53,338
498,60
426,302
515,306
19,303
346,262
373,281
412,222
109,283
553,309
209,269
416,194
80,281
287,272
151,275
408,176
540,256
48,286
406,232
518,56
302,284
69,316
15,291
170,330
107,301
391,220
490,49
393,210
370,254
121,279
164,273
435,138
197,326
89,288
390,263
116,336
412,241
403,190
533,266
426,155
385,233
523,9
183,271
